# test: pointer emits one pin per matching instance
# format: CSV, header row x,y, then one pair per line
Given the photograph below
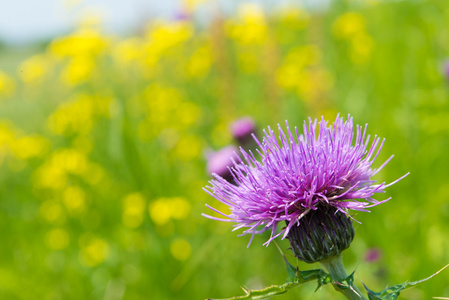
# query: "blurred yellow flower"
x,y
127,51
161,102
180,249
314,83
187,113
192,4
180,208
302,56
78,70
83,42
7,137
70,160
33,69
94,250
160,211
199,63
165,109
288,75
57,239
348,24
7,84
133,209
163,209
361,48
78,114
188,147
221,135
250,28
72,117
29,146
293,18
50,176
169,138
351,27
95,174
162,37
293,70
14,144
73,198
62,162
166,35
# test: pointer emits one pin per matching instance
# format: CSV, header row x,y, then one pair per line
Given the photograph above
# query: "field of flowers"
x,y
104,139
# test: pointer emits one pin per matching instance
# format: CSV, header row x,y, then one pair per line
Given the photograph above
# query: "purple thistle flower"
x,y
328,167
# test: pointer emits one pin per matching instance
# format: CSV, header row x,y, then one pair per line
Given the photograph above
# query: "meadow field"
x,y
104,142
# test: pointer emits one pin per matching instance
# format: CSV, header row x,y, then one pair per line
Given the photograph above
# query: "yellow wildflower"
x,y
127,51
294,18
29,147
348,24
251,27
190,5
133,208
291,73
78,70
162,37
82,42
164,209
188,147
361,47
33,69
180,249
199,63
63,162
7,84
74,116
74,200
94,250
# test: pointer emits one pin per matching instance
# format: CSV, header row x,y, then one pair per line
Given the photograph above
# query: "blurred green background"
x,y
103,141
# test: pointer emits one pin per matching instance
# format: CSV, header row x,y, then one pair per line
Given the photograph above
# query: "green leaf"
x,y
344,284
393,292
291,270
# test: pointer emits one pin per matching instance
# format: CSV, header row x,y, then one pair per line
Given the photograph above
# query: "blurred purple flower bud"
x,y
373,255
242,129
181,16
446,70
219,162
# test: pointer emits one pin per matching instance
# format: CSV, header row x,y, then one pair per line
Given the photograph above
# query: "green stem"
x,y
334,265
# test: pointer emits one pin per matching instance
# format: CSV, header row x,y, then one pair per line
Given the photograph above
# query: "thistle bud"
x,y
242,130
322,233
220,161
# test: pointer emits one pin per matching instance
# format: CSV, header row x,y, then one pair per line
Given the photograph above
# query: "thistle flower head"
x,y
328,166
